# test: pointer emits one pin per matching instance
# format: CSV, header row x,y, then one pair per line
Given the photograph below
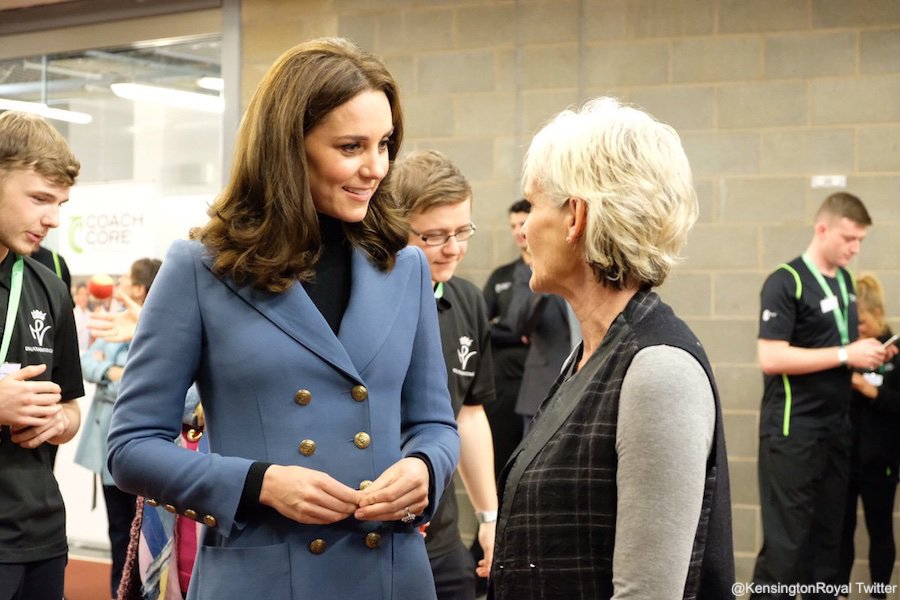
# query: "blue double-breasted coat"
x,y
279,386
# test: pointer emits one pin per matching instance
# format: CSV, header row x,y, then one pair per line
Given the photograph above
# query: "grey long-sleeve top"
x,y
663,439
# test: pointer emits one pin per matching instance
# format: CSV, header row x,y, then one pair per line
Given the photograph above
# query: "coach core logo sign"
x,y
768,314
38,328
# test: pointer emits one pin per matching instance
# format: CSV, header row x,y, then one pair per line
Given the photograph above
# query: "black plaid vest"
x,y
558,512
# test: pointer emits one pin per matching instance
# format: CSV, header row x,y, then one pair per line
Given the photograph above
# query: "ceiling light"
x,y
169,97
211,83
38,108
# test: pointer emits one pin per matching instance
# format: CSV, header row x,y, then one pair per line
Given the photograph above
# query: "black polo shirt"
x,y
32,515
466,344
791,311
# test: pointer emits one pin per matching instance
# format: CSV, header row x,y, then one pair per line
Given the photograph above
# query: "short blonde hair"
x,y
427,179
28,141
634,177
870,298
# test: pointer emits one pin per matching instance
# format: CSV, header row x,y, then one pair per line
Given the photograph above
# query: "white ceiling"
x,y
24,16
89,73
11,4
84,73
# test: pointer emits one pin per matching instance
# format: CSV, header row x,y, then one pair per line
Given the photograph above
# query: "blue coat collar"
x,y
368,320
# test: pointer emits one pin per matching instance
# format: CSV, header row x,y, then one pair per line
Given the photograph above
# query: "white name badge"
x,y
875,379
8,368
829,304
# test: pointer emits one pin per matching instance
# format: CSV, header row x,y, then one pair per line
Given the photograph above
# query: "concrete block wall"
x,y
765,94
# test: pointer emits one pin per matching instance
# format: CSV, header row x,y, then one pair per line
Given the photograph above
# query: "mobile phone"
x,y
890,340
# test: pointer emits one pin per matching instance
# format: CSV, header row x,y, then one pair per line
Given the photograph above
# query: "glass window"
x,y
146,124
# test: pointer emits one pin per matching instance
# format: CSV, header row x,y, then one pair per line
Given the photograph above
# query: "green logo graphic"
x,y
75,227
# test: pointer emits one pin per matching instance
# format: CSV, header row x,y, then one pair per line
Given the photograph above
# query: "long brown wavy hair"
x,y
263,229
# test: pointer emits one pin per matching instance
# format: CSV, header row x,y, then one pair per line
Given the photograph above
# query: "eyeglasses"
x,y
439,239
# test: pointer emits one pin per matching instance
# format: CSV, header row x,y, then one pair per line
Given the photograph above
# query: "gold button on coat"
x,y
317,546
373,540
303,397
170,508
307,447
191,514
210,521
362,440
359,393
152,502
365,483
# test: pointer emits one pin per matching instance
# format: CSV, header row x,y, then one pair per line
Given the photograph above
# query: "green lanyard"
x,y
15,292
439,290
841,318
56,264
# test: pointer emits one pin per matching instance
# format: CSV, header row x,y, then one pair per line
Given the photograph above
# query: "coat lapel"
x,y
297,316
373,308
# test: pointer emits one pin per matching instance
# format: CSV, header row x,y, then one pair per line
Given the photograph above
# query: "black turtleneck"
x,y
330,292
330,289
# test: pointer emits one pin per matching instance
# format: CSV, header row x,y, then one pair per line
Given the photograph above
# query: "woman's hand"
x,y
404,485
114,373
118,326
307,496
864,387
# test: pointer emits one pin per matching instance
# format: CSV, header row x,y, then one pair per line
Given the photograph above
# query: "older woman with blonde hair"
x,y
620,490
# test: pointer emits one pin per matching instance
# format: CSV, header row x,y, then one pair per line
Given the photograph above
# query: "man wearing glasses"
x,y
437,200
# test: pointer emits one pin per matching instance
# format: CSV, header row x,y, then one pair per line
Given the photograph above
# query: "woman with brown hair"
x,y
312,335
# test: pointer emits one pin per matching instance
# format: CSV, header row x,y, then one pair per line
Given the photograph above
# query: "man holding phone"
x,y
808,324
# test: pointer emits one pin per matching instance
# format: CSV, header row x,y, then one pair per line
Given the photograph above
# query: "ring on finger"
x,y
408,517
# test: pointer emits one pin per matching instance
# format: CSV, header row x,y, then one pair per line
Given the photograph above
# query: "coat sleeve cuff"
x,y
432,490
249,503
